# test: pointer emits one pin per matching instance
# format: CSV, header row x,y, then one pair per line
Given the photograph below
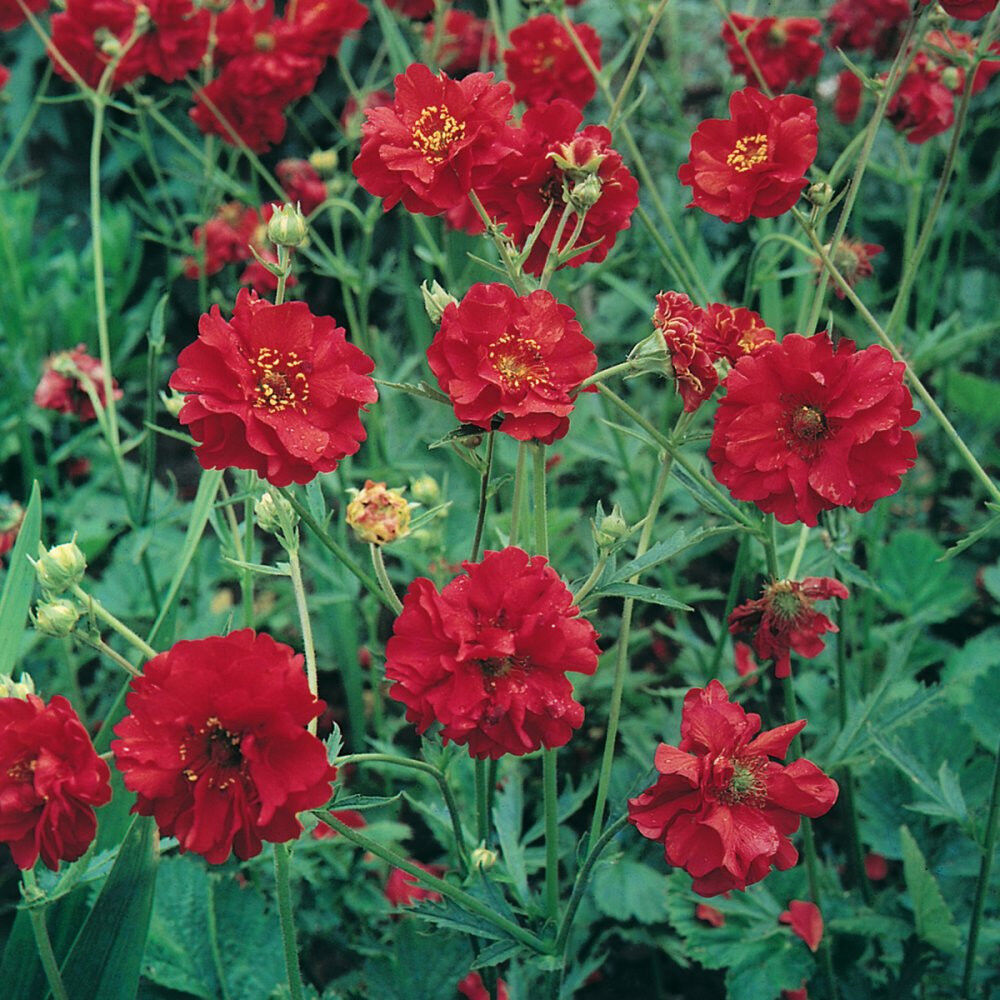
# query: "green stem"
x,y
800,551
378,563
99,611
482,813
284,893
43,942
588,585
551,793
541,514
640,53
771,548
284,270
518,499
102,647
484,487
302,607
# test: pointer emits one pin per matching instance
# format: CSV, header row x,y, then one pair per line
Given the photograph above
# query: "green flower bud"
x,y
585,194
10,688
287,226
820,194
274,514
951,77
57,618
436,300
483,858
60,568
425,490
324,161
609,529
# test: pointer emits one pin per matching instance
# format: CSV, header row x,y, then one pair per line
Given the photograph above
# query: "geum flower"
x,y
723,809
215,744
68,379
487,657
277,390
782,48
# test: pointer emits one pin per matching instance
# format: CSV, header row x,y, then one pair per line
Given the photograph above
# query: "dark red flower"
x,y
784,617
216,748
472,988
404,889
805,428
175,40
782,48
967,10
61,387
322,25
806,922
464,42
543,63
522,357
753,163
847,103
11,14
302,184
50,781
923,106
277,390
88,34
800,994
721,807
436,142
709,915
349,817
868,24
226,237
876,866
733,332
487,657
682,324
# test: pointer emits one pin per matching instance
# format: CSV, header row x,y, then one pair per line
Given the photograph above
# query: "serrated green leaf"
x,y
934,921
666,549
507,815
19,583
916,584
421,966
650,595
499,951
627,890
360,803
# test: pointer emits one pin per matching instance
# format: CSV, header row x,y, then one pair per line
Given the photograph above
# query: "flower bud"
x,y
586,193
10,688
60,568
287,227
938,17
173,403
820,193
107,43
274,514
483,858
436,300
609,529
378,515
952,77
57,618
426,490
324,161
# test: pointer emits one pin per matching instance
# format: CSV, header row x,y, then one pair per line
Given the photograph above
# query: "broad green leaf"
x,y
971,683
19,583
359,803
916,585
421,967
934,921
507,815
627,890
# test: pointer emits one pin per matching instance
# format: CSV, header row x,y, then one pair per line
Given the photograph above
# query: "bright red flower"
x,y
923,106
868,24
709,915
784,617
11,14
403,889
349,817
88,34
61,387
753,163
805,428
806,922
175,40
487,657
302,184
682,324
472,988
847,103
465,40
543,64
439,139
782,48
277,390
216,748
721,807
967,10
733,332
224,107
522,357
50,781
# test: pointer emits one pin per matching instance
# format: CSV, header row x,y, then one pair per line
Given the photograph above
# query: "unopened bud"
x,y
324,161
378,515
107,43
820,194
952,77
426,490
586,193
60,568
10,688
57,618
609,528
436,300
274,514
483,858
287,227
938,16
173,403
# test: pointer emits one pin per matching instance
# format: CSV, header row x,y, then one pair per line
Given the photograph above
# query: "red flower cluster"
x,y
522,357
784,617
64,376
967,10
403,889
50,781
806,922
721,807
753,163
215,745
277,390
805,428
868,24
11,14
465,41
436,142
487,657
543,63
782,49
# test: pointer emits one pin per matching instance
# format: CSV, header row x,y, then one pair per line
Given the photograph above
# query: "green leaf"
x,y
916,585
934,921
971,683
650,595
662,551
19,583
627,890
420,967
507,815
359,803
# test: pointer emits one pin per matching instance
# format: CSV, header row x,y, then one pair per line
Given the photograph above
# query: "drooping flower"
x,y
64,377
753,163
967,10
463,43
498,353
868,24
723,809
806,922
782,48
487,657
276,389
51,779
404,889
543,64
804,427
378,515
216,748
853,259
784,617
923,106
473,988
436,142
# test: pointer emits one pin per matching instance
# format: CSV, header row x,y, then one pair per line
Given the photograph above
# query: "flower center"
x,y
212,752
518,361
785,602
745,784
495,667
435,130
263,41
808,424
749,152
281,384
22,770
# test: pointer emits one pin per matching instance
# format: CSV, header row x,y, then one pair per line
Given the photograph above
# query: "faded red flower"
x,y
216,748
709,915
51,779
404,889
302,184
868,24
378,515
464,42
923,106
805,428
349,817
436,142
721,807
519,357
472,988
543,63
487,657
847,103
781,47
853,259
754,162
276,389
11,517
806,922
682,324
967,10
64,376
784,617
11,14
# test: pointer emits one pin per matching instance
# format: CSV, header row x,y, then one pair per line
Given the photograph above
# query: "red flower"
x,y
520,356
847,103
223,108
472,988
61,387
11,517
682,324
465,41
487,657
277,390
923,106
784,617
868,24
413,8
782,48
11,14
805,428
721,807
709,915
349,817
175,40
753,163
436,142
800,994
967,10
876,866
956,49
4,76
543,63
216,747
403,889
302,184
853,259
322,25
88,34
227,237
50,781
806,921
733,332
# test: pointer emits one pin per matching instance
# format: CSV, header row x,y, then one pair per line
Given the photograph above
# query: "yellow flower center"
x,y
435,130
518,361
213,749
281,384
748,152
